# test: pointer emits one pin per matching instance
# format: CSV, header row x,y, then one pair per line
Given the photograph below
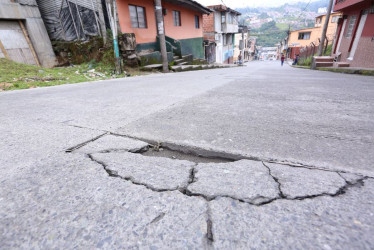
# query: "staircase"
x,y
184,60
341,65
323,61
328,61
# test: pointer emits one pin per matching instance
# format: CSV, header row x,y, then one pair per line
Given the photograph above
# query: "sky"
x,y
248,3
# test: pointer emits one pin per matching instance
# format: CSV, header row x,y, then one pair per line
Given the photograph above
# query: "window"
x,y
177,18
224,39
334,19
223,16
304,35
197,22
351,25
229,18
137,16
319,20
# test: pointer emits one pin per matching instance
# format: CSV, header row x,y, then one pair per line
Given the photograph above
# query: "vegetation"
x,y
21,76
269,34
349,71
308,61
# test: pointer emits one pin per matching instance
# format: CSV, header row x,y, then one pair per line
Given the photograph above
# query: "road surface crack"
x,y
185,191
80,145
281,194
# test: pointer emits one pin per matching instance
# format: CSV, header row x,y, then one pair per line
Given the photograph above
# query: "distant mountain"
x,y
313,6
271,24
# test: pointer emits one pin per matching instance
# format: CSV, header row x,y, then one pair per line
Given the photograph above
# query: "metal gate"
x,y
14,43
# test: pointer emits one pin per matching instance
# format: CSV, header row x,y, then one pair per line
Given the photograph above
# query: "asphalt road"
x,y
297,170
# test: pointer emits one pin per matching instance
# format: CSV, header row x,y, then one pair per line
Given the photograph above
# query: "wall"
x,y
344,4
146,38
316,33
193,46
217,22
364,56
147,35
187,29
29,12
208,23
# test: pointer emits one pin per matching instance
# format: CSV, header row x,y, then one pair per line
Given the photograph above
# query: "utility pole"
x,y
243,44
323,38
161,34
113,25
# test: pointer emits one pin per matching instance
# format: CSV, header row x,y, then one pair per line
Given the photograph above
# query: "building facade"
x,y
23,36
355,42
182,25
310,36
242,45
220,28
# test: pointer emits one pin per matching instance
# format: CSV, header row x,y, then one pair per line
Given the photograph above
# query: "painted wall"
x,y
193,46
148,35
143,35
339,5
187,29
218,21
315,33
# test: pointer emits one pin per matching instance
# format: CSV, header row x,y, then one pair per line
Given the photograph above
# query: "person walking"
x,y
282,59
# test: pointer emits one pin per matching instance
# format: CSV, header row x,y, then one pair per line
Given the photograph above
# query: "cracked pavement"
x,y
292,163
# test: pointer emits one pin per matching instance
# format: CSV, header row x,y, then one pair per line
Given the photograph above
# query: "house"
x,y
241,44
311,36
182,25
220,28
23,36
355,43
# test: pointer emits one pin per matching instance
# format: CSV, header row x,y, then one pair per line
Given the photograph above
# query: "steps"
x,y
187,59
328,61
323,61
341,65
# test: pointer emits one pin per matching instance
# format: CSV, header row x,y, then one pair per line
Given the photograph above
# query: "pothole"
x,y
177,155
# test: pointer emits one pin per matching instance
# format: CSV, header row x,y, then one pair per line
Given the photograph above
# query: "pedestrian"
x,y
240,58
296,60
282,59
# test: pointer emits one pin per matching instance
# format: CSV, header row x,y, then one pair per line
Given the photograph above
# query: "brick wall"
x,y
208,23
364,55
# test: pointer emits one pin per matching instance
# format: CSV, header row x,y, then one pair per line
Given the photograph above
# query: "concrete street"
x,y
260,157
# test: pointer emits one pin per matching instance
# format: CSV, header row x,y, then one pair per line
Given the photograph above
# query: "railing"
x,y
312,49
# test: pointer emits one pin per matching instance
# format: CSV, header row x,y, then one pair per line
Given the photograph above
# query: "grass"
x,y
308,61
21,76
349,71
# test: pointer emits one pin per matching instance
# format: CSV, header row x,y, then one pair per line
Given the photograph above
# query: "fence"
x,y
309,51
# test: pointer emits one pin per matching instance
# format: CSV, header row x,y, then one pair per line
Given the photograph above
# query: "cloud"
x,y
249,3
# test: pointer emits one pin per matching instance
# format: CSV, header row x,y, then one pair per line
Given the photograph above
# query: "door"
x,y
14,43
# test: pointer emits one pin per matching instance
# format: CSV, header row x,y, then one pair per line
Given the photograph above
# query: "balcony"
x,y
230,28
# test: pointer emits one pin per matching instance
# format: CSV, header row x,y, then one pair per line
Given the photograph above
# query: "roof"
x,y
332,14
191,4
305,29
224,8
